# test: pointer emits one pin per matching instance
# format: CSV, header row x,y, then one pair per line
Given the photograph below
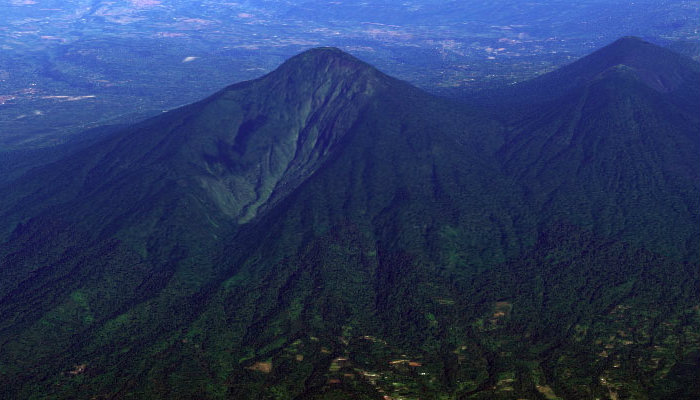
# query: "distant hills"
x,y
327,231
687,48
73,65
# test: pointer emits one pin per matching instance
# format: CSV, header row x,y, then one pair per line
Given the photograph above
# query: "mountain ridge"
x,y
657,67
326,231
618,119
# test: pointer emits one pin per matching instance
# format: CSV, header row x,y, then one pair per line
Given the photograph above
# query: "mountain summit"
x,y
608,113
245,147
322,60
326,231
657,67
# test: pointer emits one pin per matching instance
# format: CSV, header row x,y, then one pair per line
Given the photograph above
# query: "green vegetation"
x,y
329,232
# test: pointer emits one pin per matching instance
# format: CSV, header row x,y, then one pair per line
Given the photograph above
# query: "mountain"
x,y
327,231
589,153
657,67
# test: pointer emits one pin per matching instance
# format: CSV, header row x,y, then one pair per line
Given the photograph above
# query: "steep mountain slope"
x,y
618,155
136,221
659,68
327,231
142,211
290,119
169,188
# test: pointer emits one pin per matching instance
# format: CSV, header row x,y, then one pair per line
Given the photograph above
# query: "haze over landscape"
x,y
416,200
69,65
